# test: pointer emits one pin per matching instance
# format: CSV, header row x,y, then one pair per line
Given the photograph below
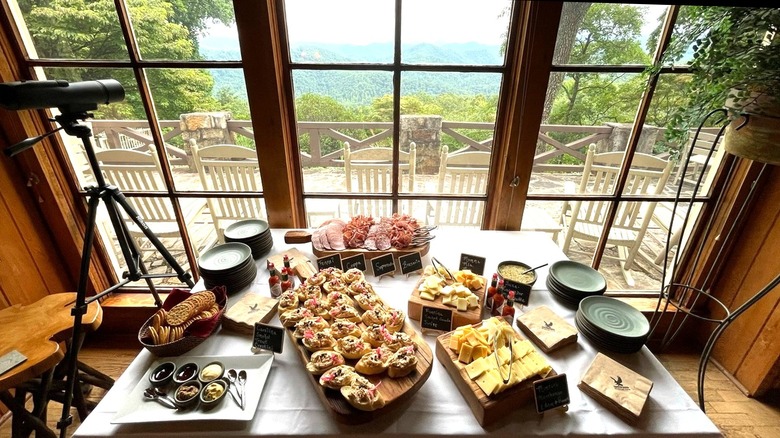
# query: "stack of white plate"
x,y
230,265
611,324
253,232
570,282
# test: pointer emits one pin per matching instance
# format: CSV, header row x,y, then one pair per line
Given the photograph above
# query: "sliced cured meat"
x,y
324,238
315,239
335,234
383,241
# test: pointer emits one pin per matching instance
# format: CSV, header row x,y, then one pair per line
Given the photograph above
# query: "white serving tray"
x,y
136,409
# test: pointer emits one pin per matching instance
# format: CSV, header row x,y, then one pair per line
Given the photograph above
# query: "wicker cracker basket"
x,y
195,333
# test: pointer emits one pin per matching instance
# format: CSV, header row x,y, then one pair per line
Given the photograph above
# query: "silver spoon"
x,y
152,394
231,375
242,384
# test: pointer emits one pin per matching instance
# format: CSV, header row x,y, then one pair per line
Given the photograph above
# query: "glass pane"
x,y
589,112
320,210
340,31
204,107
608,33
220,212
336,109
543,217
186,31
455,32
73,30
107,134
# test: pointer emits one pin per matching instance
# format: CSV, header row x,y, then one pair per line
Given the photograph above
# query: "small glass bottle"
x,y
491,291
508,310
287,261
286,283
274,283
498,299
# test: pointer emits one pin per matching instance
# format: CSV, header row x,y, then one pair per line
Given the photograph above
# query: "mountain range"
x,y
360,88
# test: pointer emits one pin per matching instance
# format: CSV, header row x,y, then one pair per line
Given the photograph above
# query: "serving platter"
x,y
486,409
303,236
459,318
136,409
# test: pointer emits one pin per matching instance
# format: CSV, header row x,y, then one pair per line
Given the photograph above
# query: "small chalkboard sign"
x,y
522,291
551,393
354,262
268,337
331,261
383,265
434,318
411,263
475,264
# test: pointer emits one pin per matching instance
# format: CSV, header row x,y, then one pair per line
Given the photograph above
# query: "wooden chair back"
x,y
370,171
230,168
462,173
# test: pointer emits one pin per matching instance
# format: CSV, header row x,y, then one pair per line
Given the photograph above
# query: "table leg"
x,y
25,418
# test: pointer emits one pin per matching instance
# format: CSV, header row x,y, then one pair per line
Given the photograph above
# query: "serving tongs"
x,y
436,264
422,235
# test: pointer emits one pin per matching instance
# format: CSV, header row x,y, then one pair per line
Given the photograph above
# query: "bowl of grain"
x,y
514,272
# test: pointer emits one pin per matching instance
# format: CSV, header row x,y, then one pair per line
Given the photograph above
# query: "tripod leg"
x,y
136,269
183,276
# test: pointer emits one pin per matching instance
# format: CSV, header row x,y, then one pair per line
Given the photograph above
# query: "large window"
x,y
418,95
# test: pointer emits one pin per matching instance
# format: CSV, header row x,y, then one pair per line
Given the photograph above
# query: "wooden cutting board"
x,y
459,318
486,409
250,309
301,264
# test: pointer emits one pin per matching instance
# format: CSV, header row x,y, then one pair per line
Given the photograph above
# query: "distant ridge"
x,y
362,87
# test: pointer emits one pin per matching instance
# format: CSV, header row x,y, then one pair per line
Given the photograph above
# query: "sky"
x,y
361,22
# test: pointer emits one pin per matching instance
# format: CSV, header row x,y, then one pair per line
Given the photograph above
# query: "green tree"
x,y
84,29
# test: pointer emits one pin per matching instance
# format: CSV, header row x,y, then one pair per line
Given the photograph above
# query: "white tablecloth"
x,y
290,406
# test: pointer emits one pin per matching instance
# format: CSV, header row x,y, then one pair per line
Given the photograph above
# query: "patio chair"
x,y
230,168
131,170
370,170
585,220
461,173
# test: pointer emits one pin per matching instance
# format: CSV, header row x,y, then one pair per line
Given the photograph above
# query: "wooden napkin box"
x,y
618,388
251,308
546,329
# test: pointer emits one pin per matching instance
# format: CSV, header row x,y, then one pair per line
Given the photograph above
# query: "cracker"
x,y
155,336
190,307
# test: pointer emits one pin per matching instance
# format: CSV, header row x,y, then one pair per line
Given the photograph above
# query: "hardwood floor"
x,y
735,414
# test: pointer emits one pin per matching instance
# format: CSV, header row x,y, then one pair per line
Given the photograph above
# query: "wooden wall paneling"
x,y
743,349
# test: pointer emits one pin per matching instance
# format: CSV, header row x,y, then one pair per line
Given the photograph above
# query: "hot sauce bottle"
x,y
274,283
508,311
498,299
287,261
286,280
492,289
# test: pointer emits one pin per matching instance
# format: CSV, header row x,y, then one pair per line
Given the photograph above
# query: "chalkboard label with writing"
x,y
354,262
522,291
411,263
551,393
268,337
331,261
383,265
475,264
434,318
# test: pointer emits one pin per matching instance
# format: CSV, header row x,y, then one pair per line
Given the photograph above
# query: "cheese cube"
x,y
472,300
425,295
455,342
465,353
463,304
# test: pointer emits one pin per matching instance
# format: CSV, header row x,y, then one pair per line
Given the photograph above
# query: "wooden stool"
x,y
41,332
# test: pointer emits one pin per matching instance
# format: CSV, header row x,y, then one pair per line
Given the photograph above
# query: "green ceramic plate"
x,y
614,317
578,277
224,257
246,228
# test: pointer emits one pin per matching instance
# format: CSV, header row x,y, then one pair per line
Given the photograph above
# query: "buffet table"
x,y
289,405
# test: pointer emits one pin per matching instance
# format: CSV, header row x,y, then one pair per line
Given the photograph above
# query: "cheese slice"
x,y
464,355
476,368
489,382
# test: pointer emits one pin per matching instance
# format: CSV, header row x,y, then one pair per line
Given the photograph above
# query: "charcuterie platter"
x,y
398,235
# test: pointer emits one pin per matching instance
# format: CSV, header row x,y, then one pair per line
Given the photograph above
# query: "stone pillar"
x,y
618,139
425,132
207,129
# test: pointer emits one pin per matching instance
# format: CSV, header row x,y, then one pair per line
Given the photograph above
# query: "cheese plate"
x,y
471,315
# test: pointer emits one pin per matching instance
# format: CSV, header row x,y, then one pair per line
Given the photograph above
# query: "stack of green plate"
x,y
570,282
611,324
230,265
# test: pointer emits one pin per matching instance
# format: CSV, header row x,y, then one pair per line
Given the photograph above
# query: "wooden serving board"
x,y
459,318
298,261
486,409
250,309
302,236
394,391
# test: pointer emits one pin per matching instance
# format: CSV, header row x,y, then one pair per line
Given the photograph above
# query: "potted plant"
x,y
736,66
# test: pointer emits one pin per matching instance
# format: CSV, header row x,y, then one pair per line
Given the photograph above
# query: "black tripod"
x,y
136,270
